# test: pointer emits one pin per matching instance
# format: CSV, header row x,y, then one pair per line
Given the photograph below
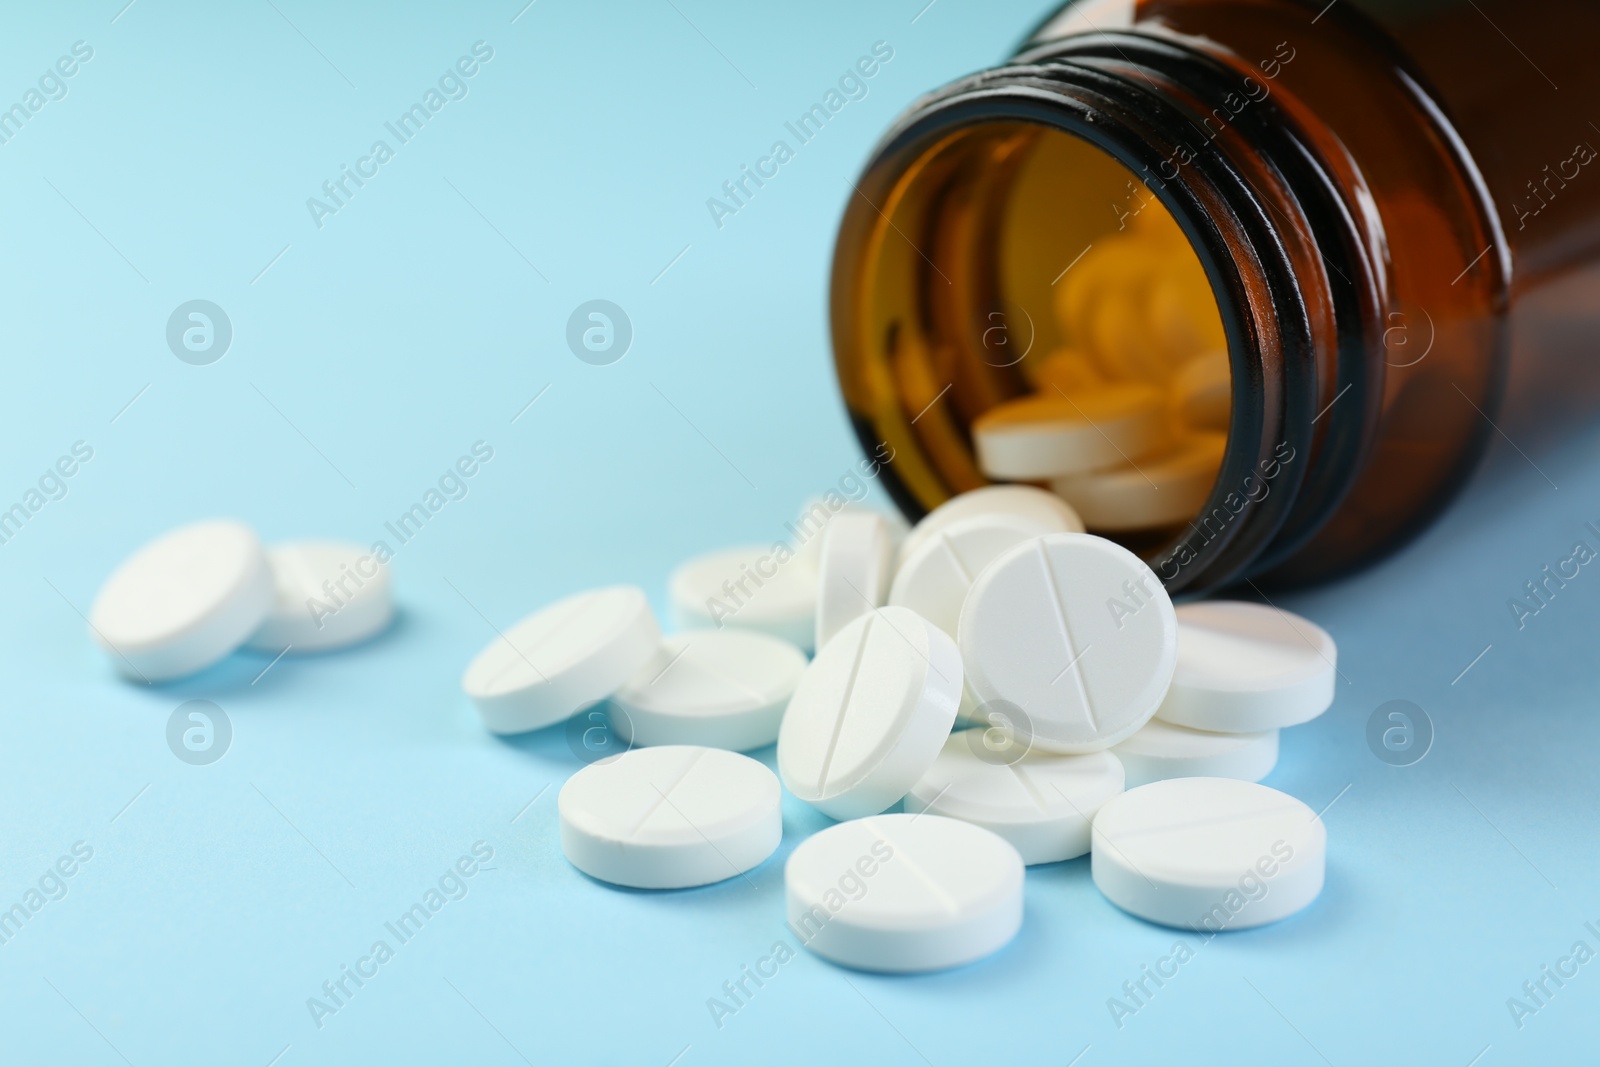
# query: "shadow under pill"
x,y
229,676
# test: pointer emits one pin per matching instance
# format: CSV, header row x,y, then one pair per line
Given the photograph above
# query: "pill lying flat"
x,y
327,594
719,688
670,817
753,587
904,893
1208,853
934,579
1202,393
1046,510
1244,667
1041,803
183,601
1052,435
1160,490
853,571
1161,750
1075,631
560,660
870,713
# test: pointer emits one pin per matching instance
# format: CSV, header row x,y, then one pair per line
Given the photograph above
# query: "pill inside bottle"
x,y
1162,268
1091,359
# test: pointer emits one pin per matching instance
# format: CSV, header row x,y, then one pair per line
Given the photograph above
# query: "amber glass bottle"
x,y
1382,199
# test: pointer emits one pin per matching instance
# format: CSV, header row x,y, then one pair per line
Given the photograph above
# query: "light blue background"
x,y
374,351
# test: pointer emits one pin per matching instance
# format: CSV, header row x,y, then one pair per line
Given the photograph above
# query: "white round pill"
x,y
327,594
853,573
1160,490
870,714
770,589
183,601
1077,633
670,817
806,531
1022,501
1041,803
904,893
560,660
720,688
1208,853
1161,750
1245,667
934,579
1049,435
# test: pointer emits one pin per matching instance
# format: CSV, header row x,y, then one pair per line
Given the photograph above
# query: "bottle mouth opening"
x,y
1017,260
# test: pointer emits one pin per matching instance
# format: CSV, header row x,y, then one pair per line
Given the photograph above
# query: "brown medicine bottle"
x,y
1395,205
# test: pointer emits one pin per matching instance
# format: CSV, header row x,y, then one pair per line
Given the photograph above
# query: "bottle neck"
x,y
1418,129
1286,262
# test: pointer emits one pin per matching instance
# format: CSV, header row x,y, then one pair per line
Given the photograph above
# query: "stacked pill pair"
x,y
192,596
1062,647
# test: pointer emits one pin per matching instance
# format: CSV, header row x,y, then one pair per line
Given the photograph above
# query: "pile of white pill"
x,y
195,594
1026,692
